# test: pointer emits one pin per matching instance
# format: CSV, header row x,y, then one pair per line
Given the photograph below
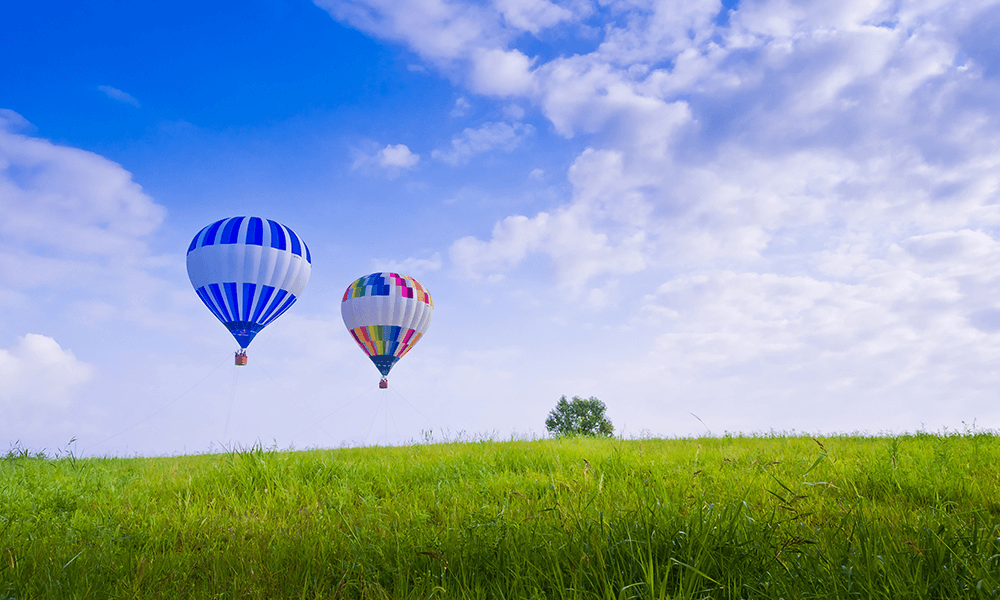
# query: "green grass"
x,y
913,516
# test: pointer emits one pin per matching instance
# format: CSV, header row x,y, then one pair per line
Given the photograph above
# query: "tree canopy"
x,y
579,417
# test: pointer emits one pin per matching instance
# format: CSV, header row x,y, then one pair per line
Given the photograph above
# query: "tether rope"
x,y
335,411
390,418
297,405
431,423
374,418
159,410
316,422
232,400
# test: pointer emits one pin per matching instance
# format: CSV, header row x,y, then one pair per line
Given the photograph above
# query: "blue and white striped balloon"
x,y
248,271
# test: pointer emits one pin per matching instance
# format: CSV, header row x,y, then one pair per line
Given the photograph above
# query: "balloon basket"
x,y
383,384
241,358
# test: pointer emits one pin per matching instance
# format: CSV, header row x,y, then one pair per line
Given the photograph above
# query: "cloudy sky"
x,y
740,216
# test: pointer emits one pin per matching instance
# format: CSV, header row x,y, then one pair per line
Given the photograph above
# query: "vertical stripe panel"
x,y
278,297
234,301
277,236
207,299
213,229
194,242
231,232
290,301
219,301
249,290
296,247
265,296
255,232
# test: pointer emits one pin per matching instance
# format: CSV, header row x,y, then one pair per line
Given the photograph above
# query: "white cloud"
x,y
64,209
393,159
578,252
38,371
599,234
11,121
73,239
798,117
513,112
461,108
117,94
532,15
398,156
501,73
793,139
966,247
512,240
487,137
437,29
410,266
803,352
444,31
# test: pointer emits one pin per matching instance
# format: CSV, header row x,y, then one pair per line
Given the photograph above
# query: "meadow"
x,y
767,516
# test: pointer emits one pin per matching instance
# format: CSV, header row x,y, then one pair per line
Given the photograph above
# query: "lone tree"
x,y
579,417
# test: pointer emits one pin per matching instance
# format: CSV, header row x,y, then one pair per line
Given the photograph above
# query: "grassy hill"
x,y
915,516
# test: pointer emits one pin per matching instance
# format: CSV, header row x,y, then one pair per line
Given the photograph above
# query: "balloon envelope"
x,y
386,313
248,271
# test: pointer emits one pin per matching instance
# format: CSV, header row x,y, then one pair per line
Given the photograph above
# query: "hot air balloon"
x,y
386,313
248,271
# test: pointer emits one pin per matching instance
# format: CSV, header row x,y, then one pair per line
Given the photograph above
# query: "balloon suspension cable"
x,y
159,410
391,418
311,417
232,400
374,418
413,407
335,411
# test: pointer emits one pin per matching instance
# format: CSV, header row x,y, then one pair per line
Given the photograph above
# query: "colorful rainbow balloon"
x,y
386,313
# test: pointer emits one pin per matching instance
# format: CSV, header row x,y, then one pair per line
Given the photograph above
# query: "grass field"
x,y
913,516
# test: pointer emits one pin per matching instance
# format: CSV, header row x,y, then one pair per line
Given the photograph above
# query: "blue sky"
x,y
774,216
